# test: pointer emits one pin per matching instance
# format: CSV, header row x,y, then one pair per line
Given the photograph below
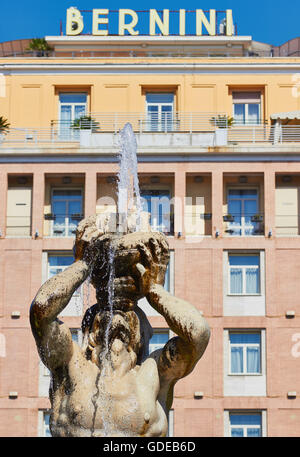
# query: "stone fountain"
x,y
111,386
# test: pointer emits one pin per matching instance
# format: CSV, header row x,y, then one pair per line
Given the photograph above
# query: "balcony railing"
x,y
188,128
145,122
269,134
63,224
243,224
31,137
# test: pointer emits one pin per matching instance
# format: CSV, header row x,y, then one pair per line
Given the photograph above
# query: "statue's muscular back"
x,y
86,403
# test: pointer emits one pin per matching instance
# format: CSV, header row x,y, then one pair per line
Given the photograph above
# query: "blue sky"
x,y
265,20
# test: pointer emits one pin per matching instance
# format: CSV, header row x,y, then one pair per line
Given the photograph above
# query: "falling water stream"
x,y
128,205
129,199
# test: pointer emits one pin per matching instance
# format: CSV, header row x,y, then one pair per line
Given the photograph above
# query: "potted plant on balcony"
x,y
4,127
40,47
85,122
76,216
49,217
228,218
257,218
222,123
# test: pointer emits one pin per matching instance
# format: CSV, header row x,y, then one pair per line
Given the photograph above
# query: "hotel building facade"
x,y
228,194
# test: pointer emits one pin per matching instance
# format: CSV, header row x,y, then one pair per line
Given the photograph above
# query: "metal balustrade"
x,y
63,224
145,123
31,137
269,134
243,224
234,224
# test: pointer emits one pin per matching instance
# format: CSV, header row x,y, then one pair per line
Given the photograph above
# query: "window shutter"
x,y
246,97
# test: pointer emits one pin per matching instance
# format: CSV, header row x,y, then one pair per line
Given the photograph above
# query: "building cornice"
x,y
88,40
79,67
184,155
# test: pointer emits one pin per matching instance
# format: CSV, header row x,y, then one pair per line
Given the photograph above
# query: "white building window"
x,y
245,362
66,205
244,218
43,426
157,203
76,334
244,274
159,339
245,353
159,108
72,106
171,423
244,283
247,107
245,424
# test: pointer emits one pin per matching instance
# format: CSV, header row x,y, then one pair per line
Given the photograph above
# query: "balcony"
x,y
178,129
63,225
171,129
243,204
36,137
243,224
263,134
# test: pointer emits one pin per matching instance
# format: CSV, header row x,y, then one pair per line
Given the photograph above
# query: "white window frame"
x,y
243,225
247,123
165,331
246,104
159,189
171,423
246,427
244,346
41,422
160,126
243,268
64,129
72,104
67,217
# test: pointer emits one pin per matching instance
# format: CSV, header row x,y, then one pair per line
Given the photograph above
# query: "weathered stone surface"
x,y
110,386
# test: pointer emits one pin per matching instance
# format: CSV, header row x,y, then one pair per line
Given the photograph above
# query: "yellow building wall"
x,y
27,95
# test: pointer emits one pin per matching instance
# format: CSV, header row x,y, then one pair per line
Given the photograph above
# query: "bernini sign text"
x,y
128,22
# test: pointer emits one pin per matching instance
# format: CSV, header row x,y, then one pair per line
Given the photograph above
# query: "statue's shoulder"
x,y
149,366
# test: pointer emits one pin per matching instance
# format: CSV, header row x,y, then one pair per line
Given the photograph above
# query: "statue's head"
x,y
102,329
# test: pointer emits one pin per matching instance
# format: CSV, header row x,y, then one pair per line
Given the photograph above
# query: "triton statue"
x,y
111,386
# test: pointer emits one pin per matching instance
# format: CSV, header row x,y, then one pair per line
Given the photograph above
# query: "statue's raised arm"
x,y
180,355
53,338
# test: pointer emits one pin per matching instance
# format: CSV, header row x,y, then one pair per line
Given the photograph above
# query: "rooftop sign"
x,y
128,22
